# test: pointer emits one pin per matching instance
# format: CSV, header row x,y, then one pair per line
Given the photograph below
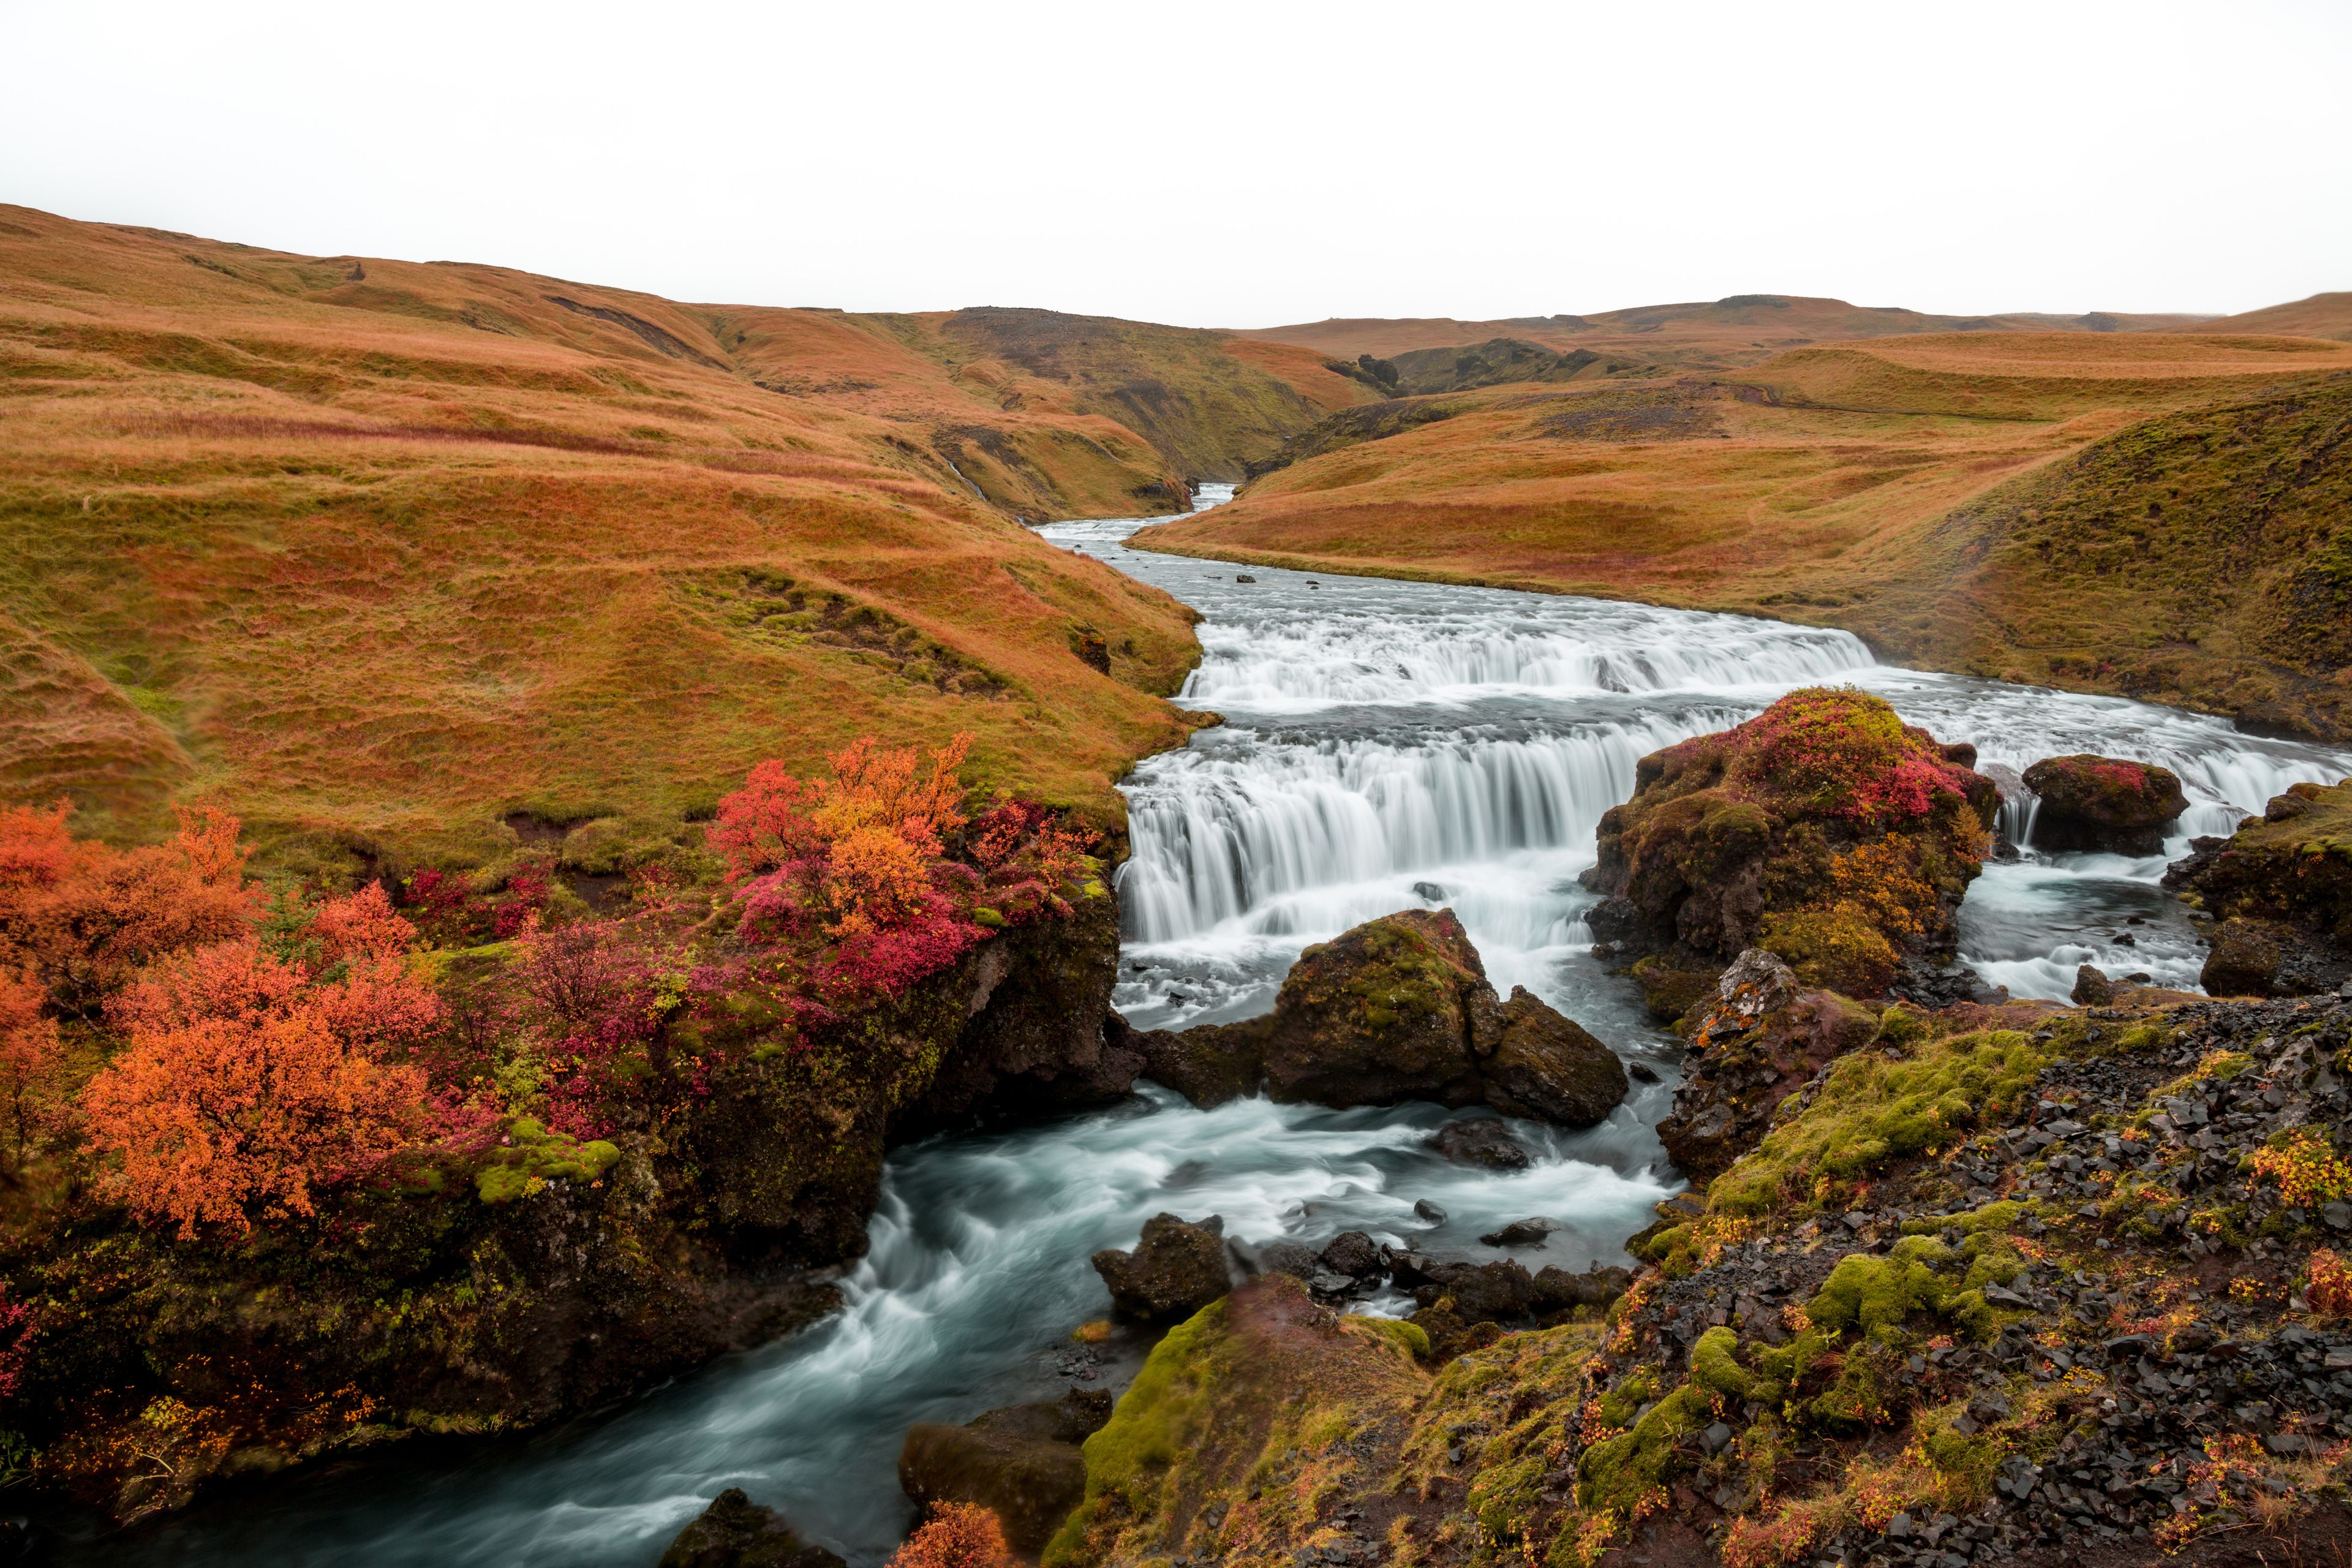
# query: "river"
x,y
1388,745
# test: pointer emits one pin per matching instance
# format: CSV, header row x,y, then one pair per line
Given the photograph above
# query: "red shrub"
x,y
1846,753
17,1329
28,1051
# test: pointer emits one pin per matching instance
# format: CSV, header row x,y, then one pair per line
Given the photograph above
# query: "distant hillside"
x,y
1208,404
377,553
2148,513
1742,329
2321,316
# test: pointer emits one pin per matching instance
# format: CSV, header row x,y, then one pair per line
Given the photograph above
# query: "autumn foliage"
x,y
28,1054
83,917
957,1535
248,1080
873,861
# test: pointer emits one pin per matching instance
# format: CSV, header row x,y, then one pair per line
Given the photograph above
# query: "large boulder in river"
x,y
1176,1269
1824,829
736,1532
1398,1008
1022,1463
2282,890
2102,803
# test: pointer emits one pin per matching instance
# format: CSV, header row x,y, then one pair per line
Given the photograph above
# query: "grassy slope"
x,y
373,553
1211,401
2321,316
1863,486
1738,330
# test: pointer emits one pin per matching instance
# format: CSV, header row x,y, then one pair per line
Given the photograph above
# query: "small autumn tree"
x,y
859,857
957,1535
28,1051
248,1082
82,917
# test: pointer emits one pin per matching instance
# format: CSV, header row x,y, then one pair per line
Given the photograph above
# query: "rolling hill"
x,y
377,554
2160,513
1738,330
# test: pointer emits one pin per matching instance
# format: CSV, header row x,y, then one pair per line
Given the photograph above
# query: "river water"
x,y
1388,745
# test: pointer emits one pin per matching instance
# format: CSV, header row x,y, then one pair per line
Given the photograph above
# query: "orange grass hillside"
x,y
376,554
2155,513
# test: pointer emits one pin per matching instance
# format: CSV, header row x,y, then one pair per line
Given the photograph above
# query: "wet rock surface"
x,y
2093,803
2281,890
1174,1270
736,1532
1021,1462
1483,1142
1398,1009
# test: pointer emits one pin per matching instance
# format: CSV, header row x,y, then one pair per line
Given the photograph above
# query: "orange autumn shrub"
x,y
250,1082
28,1051
83,917
957,1535
2327,1287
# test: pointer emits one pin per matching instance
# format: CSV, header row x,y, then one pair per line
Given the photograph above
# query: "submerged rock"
x,y
1482,1143
1022,1463
1398,1009
2102,803
1176,1269
1529,1232
736,1532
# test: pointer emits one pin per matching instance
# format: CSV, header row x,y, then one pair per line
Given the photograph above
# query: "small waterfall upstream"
x,y
1388,745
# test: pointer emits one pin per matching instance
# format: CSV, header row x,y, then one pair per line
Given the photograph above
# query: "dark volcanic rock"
x,y
1398,1008
2092,987
2102,803
2282,888
1174,1271
1022,1462
1354,1254
1482,1143
1547,1068
1481,1292
1763,1039
1557,1290
1522,1232
736,1532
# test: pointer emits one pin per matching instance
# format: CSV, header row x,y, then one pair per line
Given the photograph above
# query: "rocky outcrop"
x,y
736,1532
2071,1293
1398,1008
1765,1037
1483,1142
1021,1462
464,1314
2086,802
2281,892
1176,1269
1824,829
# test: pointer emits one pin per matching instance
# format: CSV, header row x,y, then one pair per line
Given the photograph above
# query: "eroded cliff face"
x,y
421,1310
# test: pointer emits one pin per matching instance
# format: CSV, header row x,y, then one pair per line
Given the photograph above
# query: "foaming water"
x,y
976,1274
1388,745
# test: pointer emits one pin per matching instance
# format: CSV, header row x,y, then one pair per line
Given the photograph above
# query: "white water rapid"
x,y
1388,745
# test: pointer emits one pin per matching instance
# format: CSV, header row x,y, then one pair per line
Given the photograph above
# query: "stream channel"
x,y
1388,745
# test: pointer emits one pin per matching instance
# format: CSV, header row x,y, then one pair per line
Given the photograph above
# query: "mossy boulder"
x,y
1398,1008
1825,829
1176,1269
1022,1463
2282,890
2087,802
736,1532
1765,1037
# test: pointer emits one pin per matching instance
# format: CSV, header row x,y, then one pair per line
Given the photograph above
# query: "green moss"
x,y
1128,1458
1715,1368
1872,1111
1622,1471
1874,1296
1411,1338
535,1157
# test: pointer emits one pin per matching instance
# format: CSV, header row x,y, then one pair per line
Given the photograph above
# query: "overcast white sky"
x,y
1228,165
